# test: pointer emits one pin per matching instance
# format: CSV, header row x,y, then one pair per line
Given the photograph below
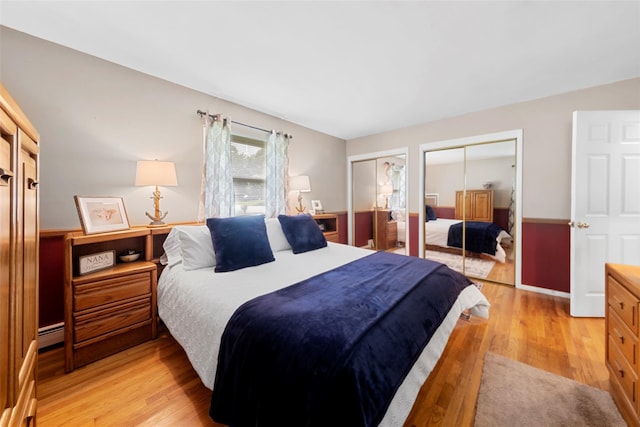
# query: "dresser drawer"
x,y
624,303
120,288
624,339
623,371
94,324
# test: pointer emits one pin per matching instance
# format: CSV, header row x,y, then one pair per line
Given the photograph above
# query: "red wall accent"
x,y
444,212
414,224
343,228
363,228
501,218
546,255
51,299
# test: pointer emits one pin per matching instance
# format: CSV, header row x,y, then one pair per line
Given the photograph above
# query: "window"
x,y
248,167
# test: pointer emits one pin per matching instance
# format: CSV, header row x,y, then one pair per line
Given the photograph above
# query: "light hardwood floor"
x,y
153,384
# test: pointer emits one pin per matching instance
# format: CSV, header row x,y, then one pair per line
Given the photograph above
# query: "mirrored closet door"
x,y
378,203
470,200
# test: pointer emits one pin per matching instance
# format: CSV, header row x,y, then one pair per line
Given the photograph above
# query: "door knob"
x,y
580,224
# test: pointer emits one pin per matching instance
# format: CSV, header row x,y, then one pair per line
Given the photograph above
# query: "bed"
x,y
201,308
437,235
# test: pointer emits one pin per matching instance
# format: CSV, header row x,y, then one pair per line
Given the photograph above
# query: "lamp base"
x,y
156,221
300,208
158,216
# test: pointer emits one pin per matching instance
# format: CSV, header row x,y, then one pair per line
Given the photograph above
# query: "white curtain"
x,y
398,182
216,195
277,172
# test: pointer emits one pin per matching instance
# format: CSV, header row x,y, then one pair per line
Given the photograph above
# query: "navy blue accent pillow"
x,y
239,242
302,233
431,215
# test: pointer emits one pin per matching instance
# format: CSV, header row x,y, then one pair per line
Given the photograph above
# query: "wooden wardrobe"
x,y
19,242
478,205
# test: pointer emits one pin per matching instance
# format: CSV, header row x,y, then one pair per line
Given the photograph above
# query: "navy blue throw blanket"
x,y
480,236
333,349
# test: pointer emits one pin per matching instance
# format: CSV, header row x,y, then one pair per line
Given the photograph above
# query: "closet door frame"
x,y
374,156
511,135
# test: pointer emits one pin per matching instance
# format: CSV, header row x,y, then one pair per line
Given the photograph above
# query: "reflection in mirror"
x,y
444,175
364,194
379,203
476,189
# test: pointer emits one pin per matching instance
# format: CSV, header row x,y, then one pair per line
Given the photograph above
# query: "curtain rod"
x,y
202,113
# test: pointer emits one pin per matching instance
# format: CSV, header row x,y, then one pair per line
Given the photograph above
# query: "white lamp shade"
x,y
155,172
386,189
299,183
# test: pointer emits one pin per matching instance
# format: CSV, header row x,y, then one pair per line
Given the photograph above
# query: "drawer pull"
x,y
619,302
5,176
620,370
32,184
620,336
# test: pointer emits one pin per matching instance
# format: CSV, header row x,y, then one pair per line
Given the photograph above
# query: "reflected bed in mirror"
x,y
476,183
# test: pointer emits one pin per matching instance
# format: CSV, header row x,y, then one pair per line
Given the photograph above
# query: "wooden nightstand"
x,y
328,223
386,231
112,309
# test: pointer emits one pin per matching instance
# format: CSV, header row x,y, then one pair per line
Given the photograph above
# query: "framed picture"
x,y
101,214
316,205
95,262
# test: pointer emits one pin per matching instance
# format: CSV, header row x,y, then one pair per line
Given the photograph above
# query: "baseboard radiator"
x,y
50,335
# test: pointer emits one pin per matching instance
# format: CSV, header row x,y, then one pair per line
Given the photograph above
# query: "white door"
x,y
605,202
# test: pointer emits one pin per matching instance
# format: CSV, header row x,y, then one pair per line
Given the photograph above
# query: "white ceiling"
x,y
356,68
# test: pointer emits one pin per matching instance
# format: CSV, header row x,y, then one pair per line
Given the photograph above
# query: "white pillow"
x,y
277,239
196,246
172,253
191,245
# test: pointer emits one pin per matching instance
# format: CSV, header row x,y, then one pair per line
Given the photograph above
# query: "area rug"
x,y
516,394
475,267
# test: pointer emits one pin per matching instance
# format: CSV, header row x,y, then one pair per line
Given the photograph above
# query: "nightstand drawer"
x,y
94,324
332,237
624,374
392,234
94,294
624,303
624,339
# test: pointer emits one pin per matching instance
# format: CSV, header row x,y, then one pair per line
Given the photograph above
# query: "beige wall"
x,y
546,125
96,119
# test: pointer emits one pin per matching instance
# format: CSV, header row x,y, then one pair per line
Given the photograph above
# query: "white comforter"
x,y
196,305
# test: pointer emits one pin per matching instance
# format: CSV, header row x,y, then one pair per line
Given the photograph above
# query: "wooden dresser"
x,y
622,331
386,230
477,205
111,309
19,246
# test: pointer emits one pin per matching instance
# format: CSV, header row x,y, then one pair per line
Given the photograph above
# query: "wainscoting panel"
x,y
546,251
51,292
546,254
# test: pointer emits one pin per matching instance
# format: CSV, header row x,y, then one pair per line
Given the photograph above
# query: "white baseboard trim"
x,y
545,291
50,335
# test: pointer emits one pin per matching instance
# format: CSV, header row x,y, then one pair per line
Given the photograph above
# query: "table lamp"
x,y
300,184
156,173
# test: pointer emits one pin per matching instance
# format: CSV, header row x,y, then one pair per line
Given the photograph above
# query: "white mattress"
x,y
196,305
437,233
